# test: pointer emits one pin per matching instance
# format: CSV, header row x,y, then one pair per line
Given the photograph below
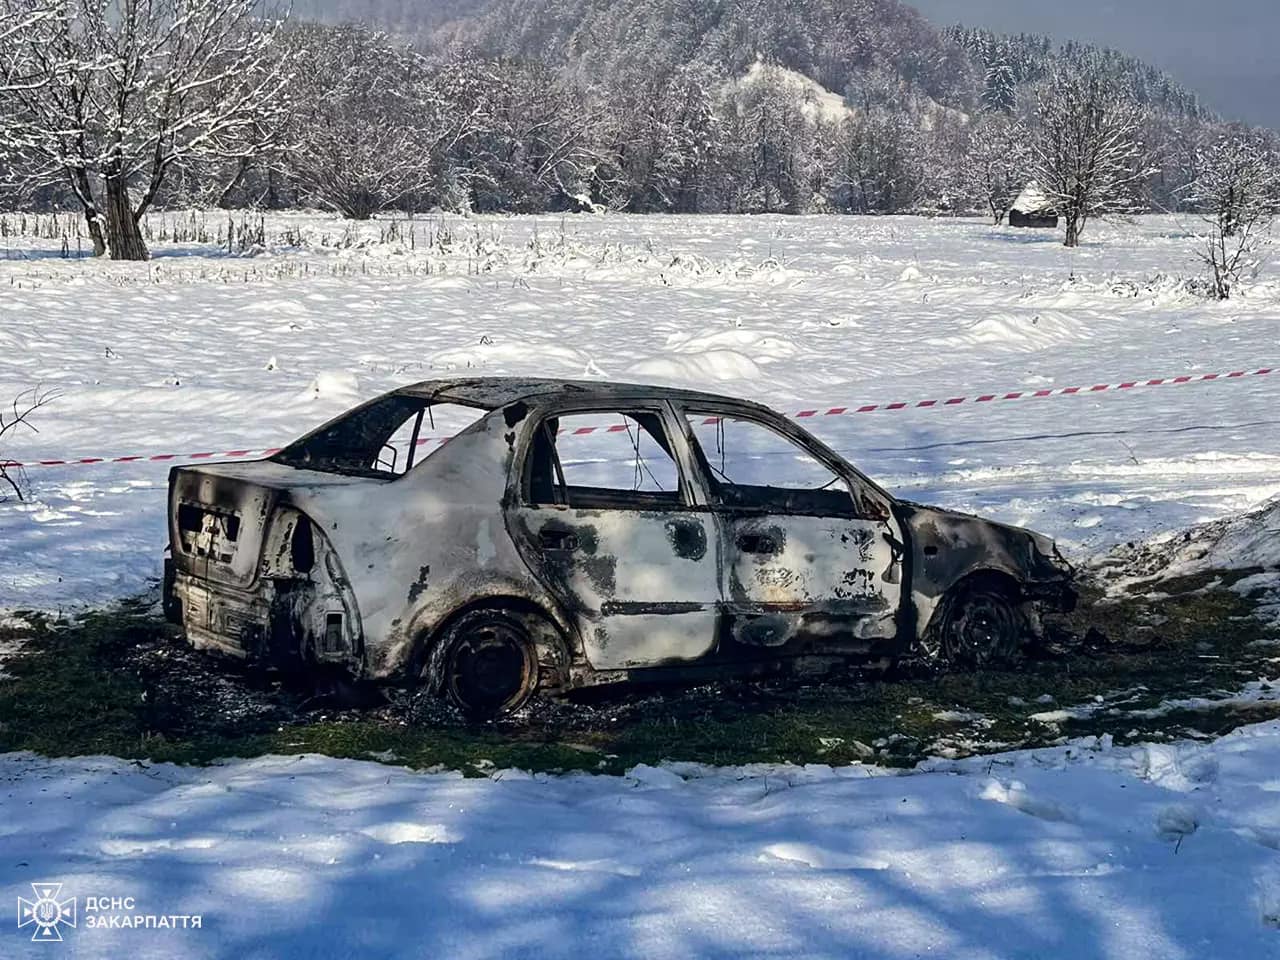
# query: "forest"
x,y
683,106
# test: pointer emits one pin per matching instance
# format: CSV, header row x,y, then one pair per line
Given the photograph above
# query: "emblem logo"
x,y
46,912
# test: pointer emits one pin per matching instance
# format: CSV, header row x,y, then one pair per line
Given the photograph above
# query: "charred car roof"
x,y
493,393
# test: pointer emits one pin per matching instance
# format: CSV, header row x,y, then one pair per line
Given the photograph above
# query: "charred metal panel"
x,y
298,607
642,585
216,525
222,618
423,547
374,546
788,575
490,393
947,547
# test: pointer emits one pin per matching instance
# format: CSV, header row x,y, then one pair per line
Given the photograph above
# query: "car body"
x,y
578,533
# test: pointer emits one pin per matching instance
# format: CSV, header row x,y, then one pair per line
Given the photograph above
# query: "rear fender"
x,y
313,611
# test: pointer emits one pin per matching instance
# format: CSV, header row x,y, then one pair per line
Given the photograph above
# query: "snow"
x,y
1247,543
1240,543
817,102
199,351
1084,851
1032,199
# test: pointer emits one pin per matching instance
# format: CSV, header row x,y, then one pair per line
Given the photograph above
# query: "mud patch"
x,y
1193,661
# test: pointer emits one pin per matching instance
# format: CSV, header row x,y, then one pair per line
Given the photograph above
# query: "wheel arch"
x,y
996,578
551,637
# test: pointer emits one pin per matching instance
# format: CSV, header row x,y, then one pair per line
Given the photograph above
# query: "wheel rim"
x,y
984,630
489,668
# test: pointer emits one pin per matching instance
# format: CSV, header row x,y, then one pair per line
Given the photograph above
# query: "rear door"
x,y
812,553
607,516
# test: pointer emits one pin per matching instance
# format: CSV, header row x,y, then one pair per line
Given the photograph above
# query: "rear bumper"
x,y
272,625
218,618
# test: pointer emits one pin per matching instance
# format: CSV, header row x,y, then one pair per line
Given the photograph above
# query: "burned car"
x,y
579,533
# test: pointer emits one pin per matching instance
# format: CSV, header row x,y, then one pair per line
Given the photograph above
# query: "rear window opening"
x,y
606,459
385,438
752,466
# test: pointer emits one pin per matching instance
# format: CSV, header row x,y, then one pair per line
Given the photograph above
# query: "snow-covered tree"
x,y
665,105
878,164
1000,90
1238,194
880,157
114,93
18,21
998,163
660,140
541,146
373,124
1088,159
1177,145
770,160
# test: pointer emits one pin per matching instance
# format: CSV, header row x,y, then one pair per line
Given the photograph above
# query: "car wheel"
x,y
978,627
489,666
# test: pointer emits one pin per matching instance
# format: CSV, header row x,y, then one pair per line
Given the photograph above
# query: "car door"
x,y
607,517
812,553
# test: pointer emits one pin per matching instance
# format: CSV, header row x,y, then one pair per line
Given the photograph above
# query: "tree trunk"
x,y
124,238
224,197
1073,232
94,219
83,191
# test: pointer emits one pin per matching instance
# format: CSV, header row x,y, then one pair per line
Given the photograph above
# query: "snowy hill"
x,y
834,43
818,103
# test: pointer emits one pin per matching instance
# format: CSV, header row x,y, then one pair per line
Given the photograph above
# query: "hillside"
x,y
837,43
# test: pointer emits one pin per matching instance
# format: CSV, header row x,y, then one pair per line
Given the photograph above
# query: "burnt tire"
x,y
976,627
489,665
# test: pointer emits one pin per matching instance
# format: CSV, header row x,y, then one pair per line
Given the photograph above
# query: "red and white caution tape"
x,y
800,415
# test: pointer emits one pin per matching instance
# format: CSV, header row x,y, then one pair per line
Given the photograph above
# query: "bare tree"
x,y
17,23
998,163
1238,194
1088,158
545,146
18,416
373,123
114,93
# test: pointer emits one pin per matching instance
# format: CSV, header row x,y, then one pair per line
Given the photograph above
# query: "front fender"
x,y
948,548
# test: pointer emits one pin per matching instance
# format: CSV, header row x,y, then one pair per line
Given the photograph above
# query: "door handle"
x,y
758,543
557,540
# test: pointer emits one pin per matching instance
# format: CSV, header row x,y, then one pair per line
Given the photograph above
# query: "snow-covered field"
x,y
199,351
1089,851
1082,852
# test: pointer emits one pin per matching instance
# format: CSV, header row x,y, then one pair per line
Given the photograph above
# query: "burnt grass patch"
x,y
1156,662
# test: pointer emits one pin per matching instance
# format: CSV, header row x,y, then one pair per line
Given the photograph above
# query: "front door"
x,y
812,560
607,517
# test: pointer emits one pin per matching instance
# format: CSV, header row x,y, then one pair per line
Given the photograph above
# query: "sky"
x,y
1224,50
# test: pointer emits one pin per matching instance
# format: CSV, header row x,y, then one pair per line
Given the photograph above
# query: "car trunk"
x,y
220,513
